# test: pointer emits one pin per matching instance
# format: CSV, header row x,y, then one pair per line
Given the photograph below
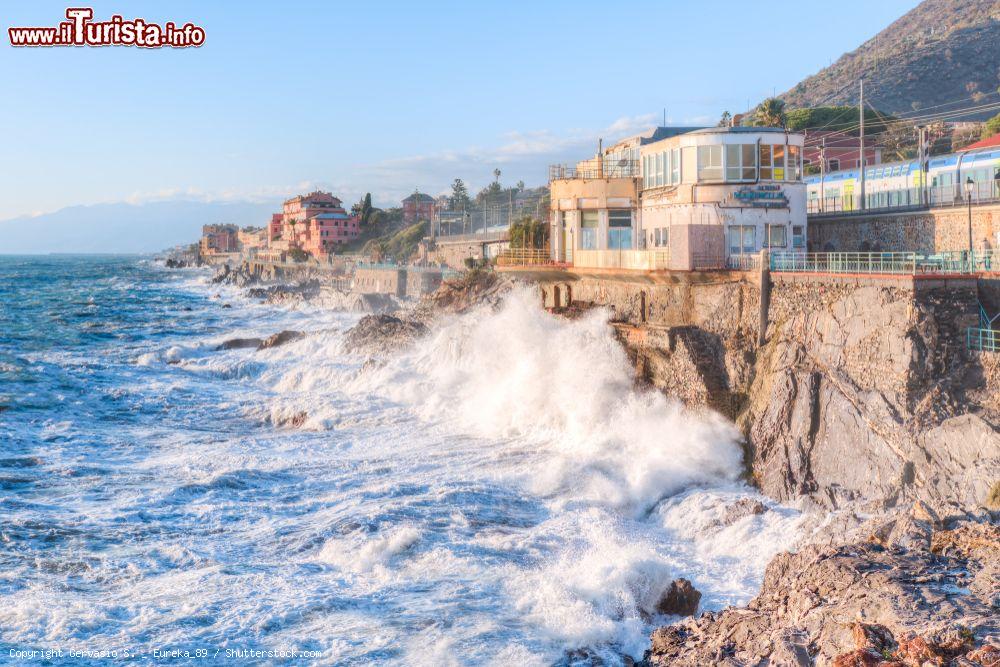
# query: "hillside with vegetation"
x,y
943,52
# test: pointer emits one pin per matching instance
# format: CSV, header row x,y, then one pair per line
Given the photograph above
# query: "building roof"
x,y
420,196
990,142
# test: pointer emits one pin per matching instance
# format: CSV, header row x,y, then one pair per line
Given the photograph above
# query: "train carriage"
x,y
899,184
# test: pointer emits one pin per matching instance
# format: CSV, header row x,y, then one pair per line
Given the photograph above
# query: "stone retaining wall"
x,y
937,230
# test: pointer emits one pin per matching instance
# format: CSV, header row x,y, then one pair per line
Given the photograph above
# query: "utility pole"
x,y
920,152
861,156
822,175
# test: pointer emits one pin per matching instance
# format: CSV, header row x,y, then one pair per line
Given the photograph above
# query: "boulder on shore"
x,y
280,338
378,333
681,599
239,344
857,604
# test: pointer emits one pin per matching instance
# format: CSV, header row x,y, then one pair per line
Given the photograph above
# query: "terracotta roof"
x,y
985,143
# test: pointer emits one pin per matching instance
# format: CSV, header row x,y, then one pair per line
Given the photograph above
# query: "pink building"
x,y
840,151
217,239
316,223
274,227
417,207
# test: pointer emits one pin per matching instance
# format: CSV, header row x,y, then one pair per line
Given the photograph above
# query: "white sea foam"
x,y
500,493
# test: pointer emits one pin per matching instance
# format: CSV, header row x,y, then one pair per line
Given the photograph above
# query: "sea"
x,y
499,493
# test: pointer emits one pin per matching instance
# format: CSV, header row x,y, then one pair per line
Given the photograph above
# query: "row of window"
x,y
743,238
663,168
744,162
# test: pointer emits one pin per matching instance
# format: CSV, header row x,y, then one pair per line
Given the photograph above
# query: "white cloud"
x,y
520,155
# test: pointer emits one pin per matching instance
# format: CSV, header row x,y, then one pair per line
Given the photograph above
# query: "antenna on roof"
x,y
664,116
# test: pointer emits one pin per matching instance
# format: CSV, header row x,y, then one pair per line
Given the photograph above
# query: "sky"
x,y
383,97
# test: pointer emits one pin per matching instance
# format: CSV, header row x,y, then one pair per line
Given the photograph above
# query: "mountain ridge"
x,y
941,52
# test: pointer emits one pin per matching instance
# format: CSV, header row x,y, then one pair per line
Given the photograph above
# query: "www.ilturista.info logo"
x,y
79,30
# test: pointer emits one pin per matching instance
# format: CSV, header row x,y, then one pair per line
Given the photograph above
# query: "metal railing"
x,y
982,340
900,263
910,198
525,257
630,260
594,169
703,261
743,262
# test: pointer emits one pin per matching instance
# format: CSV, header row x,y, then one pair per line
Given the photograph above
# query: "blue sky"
x,y
383,96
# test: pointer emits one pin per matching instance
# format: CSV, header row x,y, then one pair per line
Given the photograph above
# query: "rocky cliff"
x,y
857,398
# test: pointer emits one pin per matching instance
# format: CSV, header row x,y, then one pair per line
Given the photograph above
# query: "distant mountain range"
x,y
125,228
941,52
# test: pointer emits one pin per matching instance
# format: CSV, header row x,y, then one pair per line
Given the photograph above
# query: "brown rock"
x,y
861,658
280,338
681,599
873,637
987,656
239,344
743,507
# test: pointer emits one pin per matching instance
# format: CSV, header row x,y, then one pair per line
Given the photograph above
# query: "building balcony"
x,y
594,169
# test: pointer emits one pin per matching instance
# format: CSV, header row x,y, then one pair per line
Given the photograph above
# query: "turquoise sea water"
x,y
499,494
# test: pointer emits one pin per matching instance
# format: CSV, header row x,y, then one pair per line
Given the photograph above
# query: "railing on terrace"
x,y
592,169
743,262
524,257
900,263
911,198
703,261
445,272
630,260
982,340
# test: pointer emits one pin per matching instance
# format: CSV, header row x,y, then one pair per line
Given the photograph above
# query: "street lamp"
x,y
969,185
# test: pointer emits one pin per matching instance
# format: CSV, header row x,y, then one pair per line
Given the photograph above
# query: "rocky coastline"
x,y
889,443
903,567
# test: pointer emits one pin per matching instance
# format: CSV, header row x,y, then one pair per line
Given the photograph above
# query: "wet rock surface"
x,y
379,334
681,599
280,338
240,344
860,603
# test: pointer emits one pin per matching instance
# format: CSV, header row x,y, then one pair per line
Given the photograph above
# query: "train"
x,y
901,184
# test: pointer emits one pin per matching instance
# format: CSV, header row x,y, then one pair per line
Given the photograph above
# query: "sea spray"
x,y
498,493
566,387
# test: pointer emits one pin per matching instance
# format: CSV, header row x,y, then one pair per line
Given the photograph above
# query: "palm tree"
x,y
770,113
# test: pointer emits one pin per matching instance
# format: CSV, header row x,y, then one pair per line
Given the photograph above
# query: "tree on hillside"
x,y
363,209
769,113
490,192
837,119
459,200
991,127
726,120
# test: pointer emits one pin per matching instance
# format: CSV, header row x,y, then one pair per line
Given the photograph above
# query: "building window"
x,y
661,237
675,166
772,162
777,236
798,236
588,230
742,239
834,164
741,162
710,163
778,157
794,166
619,230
